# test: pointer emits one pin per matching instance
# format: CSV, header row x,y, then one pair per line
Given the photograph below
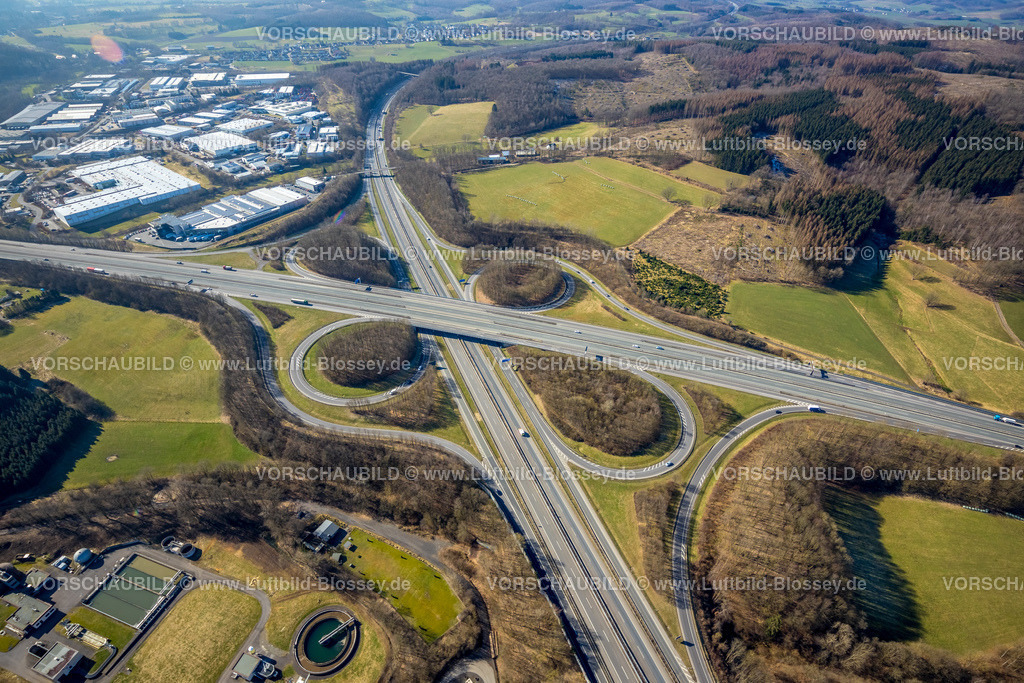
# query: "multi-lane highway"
x,y
616,632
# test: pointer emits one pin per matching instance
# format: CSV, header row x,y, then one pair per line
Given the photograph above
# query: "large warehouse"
x,y
234,213
219,144
122,183
31,115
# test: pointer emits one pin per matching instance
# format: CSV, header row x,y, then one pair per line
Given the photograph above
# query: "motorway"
x,y
618,637
616,632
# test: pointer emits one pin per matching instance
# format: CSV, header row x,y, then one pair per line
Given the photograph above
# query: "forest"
x,y
368,353
340,250
35,429
520,284
611,410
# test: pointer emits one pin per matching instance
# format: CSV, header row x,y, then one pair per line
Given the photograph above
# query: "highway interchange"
x,y
616,632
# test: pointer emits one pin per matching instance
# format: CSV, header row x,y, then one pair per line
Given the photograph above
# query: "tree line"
x,y
35,430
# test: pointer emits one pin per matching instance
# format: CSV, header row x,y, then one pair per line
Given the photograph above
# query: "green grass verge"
x,y
201,635
586,306
428,603
235,259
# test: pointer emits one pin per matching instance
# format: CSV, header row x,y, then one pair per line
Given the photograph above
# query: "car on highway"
x,y
254,295
522,432
815,408
660,348
636,346
181,263
204,270
669,464
577,332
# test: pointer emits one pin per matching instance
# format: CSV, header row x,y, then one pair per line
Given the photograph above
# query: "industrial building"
x,y
122,183
31,115
59,661
286,109
166,84
310,184
244,126
129,120
232,214
250,80
219,144
167,132
98,148
30,614
75,113
208,79
12,179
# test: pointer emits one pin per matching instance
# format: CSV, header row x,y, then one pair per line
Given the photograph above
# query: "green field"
x,y
1013,311
166,420
910,551
709,175
426,127
96,340
893,330
429,604
609,199
202,633
156,448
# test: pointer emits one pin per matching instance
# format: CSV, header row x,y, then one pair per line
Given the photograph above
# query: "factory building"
x,y
233,214
219,144
31,115
251,80
122,183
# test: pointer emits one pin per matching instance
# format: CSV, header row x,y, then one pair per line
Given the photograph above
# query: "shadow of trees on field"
x,y
888,601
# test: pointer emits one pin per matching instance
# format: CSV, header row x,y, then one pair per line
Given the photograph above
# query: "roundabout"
x,y
326,641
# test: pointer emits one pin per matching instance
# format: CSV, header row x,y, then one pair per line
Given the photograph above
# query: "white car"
x,y
522,432
636,346
577,332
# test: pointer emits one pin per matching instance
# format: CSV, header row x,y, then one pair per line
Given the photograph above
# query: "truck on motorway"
x,y
93,269
301,302
1007,420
